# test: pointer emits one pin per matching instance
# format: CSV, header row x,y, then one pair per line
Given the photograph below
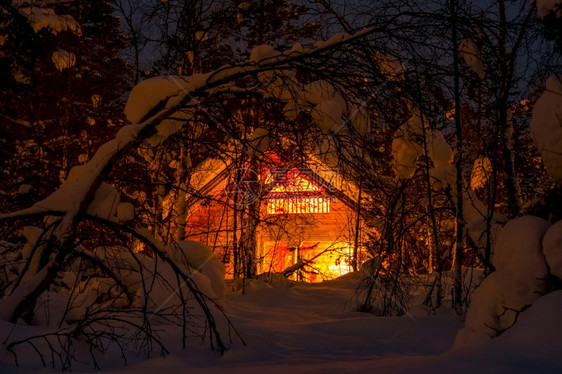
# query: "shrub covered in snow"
x,y
202,259
519,280
552,249
546,127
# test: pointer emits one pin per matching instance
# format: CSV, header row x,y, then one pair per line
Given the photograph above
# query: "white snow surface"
x,y
106,201
546,127
311,328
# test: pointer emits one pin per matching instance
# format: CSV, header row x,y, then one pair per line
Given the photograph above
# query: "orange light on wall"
x,y
298,205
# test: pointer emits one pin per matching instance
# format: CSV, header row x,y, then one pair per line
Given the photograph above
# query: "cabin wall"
x,y
281,239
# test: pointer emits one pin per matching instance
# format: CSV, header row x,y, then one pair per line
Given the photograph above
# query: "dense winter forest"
x,y
274,185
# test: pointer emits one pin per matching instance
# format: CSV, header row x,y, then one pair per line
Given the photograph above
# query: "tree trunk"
x,y
459,239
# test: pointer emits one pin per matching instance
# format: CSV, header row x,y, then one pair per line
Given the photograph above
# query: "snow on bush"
x,y
439,150
546,127
481,172
148,279
41,18
527,251
406,148
552,249
405,152
262,52
260,141
201,258
390,66
125,212
327,116
152,92
520,265
519,280
360,120
63,59
470,53
320,91
105,202
485,317
474,213
545,7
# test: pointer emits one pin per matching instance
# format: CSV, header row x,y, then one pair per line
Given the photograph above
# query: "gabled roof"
x,y
211,178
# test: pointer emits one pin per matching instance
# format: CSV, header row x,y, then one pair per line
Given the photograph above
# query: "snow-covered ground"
x,y
312,328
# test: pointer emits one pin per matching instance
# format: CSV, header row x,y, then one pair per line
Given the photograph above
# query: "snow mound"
x,y
552,249
546,127
148,279
519,280
201,258
537,333
520,265
483,317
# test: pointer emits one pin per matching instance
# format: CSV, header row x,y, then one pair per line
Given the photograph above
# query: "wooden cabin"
x,y
300,221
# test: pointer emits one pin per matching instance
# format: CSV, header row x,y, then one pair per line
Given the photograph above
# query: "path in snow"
x,y
311,328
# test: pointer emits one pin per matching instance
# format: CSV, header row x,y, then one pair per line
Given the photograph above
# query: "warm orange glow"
x,y
293,181
324,260
295,193
298,205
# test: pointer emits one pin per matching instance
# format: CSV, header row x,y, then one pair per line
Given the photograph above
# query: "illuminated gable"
x,y
295,193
